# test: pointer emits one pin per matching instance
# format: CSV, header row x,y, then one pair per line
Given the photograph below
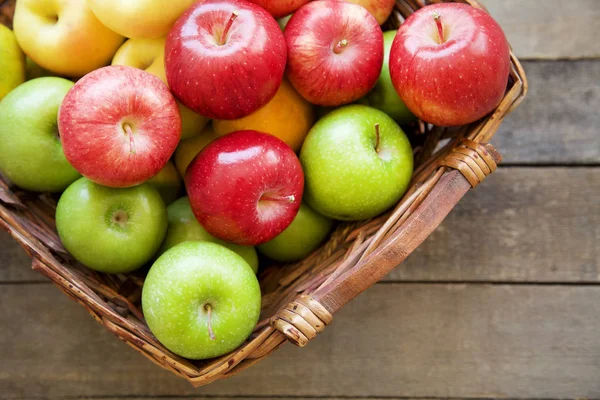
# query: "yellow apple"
x,y
189,148
139,19
64,36
191,123
149,54
12,62
380,9
167,182
143,54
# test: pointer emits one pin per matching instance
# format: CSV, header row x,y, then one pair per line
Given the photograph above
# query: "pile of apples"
x,y
262,172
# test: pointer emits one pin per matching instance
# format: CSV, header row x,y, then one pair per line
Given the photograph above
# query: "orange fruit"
x,y
287,116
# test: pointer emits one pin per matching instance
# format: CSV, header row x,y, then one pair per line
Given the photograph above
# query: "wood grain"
x,y
397,340
15,265
549,29
527,224
433,340
559,119
521,225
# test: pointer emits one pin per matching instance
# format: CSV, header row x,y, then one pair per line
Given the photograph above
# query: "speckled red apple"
x,y
280,8
450,63
335,52
225,59
119,126
245,187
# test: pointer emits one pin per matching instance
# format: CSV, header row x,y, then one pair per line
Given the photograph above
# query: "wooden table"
x,y
519,317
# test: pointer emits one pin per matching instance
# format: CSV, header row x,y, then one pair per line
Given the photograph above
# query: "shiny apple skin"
x,y
319,74
91,126
232,80
280,8
226,183
456,82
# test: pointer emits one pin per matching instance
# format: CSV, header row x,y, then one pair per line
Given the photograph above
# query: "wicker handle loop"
x,y
450,188
474,160
301,320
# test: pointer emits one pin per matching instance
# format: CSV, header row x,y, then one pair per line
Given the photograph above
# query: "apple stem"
x,y
340,46
129,132
438,21
208,309
289,199
234,15
377,138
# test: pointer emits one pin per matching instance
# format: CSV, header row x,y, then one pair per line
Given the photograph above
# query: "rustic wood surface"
x,y
435,340
519,318
549,29
559,119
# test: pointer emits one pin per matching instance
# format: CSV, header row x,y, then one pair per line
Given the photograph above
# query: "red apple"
x,y
245,187
225,58
280,8
380,9
119,126
450,63
335,52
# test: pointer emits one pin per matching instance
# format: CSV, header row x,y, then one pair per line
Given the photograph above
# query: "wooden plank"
x,y
399,340
15,265
523,224
559,119
549,29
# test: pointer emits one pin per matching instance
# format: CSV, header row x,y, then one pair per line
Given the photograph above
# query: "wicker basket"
x,y
300,299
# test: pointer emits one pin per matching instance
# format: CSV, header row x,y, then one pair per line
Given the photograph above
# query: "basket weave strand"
x,y
299,300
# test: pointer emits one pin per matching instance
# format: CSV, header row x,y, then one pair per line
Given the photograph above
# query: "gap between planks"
x,y
250,397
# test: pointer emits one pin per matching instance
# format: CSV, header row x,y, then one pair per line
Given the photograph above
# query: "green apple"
x,y
357,163
111,230
383,96
31,153
167,182
12,62
306,232
201,300
183,227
